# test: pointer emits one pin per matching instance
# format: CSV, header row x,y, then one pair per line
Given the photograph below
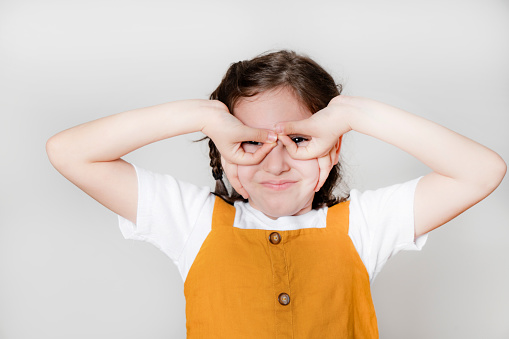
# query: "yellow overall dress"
x,y
250,283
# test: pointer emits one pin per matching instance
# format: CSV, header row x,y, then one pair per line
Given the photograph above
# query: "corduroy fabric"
x,y
233,285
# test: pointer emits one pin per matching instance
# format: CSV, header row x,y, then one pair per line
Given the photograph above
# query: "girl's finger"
x,y
231,171
299,152
255,134
260,153
290,146
245,158
237,186
304,126
324,165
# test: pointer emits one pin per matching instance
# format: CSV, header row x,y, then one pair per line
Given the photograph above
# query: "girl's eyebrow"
x,y
299,135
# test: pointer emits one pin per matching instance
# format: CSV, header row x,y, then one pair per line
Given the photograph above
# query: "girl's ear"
x,y
335,151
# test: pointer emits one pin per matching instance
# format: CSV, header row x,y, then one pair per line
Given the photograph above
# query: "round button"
x,y
275,238
284,299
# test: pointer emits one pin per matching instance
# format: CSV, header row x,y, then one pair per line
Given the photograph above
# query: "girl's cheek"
x,y
308,168
311,171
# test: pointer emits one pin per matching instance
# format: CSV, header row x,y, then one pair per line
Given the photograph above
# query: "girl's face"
x,y
279,185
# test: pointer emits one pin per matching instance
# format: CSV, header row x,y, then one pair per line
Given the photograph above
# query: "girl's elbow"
x,y
495,172
55,149
502,169
52,148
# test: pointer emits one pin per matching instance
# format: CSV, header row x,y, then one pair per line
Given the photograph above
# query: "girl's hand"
x,y
325,129
228,134
231,172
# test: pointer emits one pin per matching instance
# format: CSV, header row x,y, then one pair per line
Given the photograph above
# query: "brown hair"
x,y
311,84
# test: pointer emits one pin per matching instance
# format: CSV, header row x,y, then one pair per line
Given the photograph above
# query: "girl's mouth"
x,y
278,185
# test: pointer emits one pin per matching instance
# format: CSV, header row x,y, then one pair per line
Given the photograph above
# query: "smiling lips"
x,y
278,185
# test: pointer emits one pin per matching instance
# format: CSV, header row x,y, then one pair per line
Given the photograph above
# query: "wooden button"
x,y
275,238
284,299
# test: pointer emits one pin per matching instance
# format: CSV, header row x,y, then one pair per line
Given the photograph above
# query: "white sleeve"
x,y
167,212
382,224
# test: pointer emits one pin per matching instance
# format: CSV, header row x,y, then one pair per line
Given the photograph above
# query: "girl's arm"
x,y
464,172
89,155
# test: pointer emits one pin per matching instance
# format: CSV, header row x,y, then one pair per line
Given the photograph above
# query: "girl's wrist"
x,y
357,113
209,113
195,114
343,113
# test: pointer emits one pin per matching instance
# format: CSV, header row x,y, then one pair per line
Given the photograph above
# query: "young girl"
x,y
278,255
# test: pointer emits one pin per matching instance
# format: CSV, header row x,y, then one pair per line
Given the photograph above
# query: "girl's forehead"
x,y
268,108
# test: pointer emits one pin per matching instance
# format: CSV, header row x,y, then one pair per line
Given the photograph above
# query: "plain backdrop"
x,y
65,270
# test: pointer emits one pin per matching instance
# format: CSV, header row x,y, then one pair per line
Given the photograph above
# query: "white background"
x,y
65,270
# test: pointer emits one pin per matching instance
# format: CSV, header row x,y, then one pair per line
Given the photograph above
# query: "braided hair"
x,y
217,173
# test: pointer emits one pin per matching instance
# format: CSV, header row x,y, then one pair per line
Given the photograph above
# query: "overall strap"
x,y
338,217
223,215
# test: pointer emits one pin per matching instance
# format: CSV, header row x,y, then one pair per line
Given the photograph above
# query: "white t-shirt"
x,y
176,217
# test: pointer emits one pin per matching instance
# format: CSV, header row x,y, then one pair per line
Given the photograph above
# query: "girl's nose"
x,y
276,161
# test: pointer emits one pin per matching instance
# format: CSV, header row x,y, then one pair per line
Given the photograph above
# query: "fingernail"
x,y
272,137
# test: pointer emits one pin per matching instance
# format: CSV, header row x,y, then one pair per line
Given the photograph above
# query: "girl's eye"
x,y
251,146
299,140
